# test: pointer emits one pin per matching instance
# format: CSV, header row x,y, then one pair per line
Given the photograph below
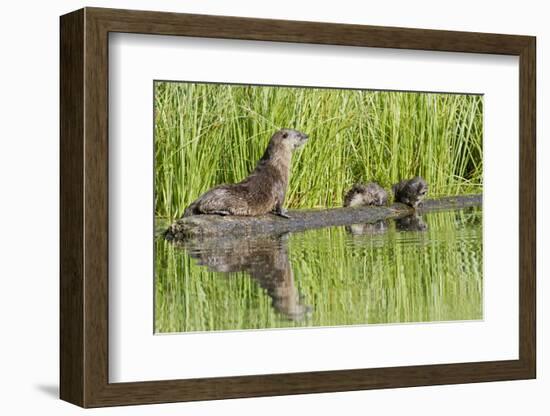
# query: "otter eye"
x,y
285,135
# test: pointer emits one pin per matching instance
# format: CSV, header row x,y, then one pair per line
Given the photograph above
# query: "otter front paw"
x,y
282,213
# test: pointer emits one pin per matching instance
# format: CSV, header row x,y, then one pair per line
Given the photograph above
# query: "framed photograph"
x,y
254,207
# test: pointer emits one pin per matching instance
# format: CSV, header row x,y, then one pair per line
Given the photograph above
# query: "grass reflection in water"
x,y
414,270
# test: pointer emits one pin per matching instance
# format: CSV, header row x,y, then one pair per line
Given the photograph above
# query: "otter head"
x,y
419,190
380,198
290,139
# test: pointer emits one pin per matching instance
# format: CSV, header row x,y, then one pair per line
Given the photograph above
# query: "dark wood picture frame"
x,y
84,207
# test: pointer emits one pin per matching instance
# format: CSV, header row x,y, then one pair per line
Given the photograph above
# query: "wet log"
x,y
301,220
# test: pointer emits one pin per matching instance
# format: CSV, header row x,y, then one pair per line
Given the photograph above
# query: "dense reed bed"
x,y
207,134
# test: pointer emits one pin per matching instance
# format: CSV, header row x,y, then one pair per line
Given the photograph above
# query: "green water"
x,y
420,269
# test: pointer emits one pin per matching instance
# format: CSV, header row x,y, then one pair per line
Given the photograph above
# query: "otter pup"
x,y
369,194
263,190
410,191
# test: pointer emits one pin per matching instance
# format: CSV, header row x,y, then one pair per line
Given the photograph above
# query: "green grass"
x,y
371,279
207,134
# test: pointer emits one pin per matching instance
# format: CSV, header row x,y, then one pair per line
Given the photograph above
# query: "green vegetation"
x,y
393,277
207,134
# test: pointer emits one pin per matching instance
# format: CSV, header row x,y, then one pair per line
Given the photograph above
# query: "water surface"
x,y
418,269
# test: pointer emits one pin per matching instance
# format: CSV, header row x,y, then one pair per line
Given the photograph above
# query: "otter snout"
x,y
302,139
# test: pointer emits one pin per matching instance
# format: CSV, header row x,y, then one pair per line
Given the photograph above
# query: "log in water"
x,y
301,220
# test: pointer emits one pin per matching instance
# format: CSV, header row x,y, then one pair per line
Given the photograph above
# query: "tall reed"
x,y
207,134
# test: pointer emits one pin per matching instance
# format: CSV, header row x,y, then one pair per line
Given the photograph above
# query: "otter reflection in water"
x,y
413,222
264,258
378,227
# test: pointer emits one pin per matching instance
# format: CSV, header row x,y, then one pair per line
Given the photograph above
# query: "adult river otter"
x,y
263,191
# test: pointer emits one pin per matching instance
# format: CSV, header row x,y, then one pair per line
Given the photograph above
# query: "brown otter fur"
x,y
410,191
263,191
369,194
